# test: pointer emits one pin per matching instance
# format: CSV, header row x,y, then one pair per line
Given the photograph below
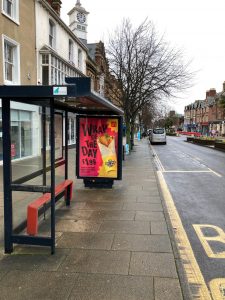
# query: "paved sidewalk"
x,y
111,244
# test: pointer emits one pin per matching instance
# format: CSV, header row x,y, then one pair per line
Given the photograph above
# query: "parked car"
x,y
158,135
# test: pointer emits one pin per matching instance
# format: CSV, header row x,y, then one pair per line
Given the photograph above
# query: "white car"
x,y
158,135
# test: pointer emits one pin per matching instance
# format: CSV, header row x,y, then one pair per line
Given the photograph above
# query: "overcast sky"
x,y
195,26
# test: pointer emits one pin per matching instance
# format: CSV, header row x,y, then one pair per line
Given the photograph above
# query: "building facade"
x,y
206,116
37,47
18,56
60,52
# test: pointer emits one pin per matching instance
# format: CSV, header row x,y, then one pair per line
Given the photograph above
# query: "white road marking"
x,y
217,174
157,161
161,168
192,171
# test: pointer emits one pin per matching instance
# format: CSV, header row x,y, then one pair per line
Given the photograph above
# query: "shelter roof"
x,y
76,96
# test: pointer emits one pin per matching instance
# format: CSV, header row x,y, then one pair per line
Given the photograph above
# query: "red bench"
x,y
32,209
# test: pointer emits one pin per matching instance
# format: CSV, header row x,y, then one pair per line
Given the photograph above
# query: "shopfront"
x,y
26,134
23,137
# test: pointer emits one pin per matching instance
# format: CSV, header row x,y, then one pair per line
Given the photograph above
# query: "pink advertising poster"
x,y
98,147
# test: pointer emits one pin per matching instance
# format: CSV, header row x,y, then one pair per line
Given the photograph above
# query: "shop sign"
x,y
59,90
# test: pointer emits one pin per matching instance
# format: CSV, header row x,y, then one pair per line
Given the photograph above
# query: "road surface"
x,y
195,177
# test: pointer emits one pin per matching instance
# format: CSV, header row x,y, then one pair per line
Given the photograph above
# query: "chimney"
x,y
212,92
224,86
56,5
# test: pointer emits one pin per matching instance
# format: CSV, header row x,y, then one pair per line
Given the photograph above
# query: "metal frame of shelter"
x,y
75,97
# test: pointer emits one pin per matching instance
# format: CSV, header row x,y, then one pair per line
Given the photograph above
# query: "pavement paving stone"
x,y
141,193
152,179
126,198
74,214
136,188
41,261
101,241
63,225
105,287
153,264
149,199
109,198
115,215
141,242
135,227
149,216
129,199
137,175
74,205
103,205
159,227
143,206
36,285
2,275
167,288
150,186
96,261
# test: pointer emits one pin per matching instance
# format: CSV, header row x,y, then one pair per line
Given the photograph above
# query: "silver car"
x,y
158,135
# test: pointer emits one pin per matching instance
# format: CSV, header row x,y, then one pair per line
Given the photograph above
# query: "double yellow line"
x,y
195,279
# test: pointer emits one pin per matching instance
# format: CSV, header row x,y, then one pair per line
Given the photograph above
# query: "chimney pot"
x,y
56,5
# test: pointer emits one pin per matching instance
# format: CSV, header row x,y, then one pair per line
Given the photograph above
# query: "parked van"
x,y
158,135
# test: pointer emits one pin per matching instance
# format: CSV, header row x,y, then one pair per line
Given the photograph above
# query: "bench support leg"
x,y
68,194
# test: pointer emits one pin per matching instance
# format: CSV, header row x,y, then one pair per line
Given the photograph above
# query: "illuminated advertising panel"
x,y
98,144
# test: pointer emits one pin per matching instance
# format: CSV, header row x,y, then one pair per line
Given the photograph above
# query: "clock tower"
x,y
78,21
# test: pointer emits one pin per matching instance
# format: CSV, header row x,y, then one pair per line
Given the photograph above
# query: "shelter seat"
x,y
32,209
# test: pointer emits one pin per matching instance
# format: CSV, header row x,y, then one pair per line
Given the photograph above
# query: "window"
x,y
11,9
45,69
79,58
52,34
54,70
101,85
71,134
159,131
11,61
21,133
71,51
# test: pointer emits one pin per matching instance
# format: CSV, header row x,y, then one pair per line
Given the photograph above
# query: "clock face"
x,y
81,17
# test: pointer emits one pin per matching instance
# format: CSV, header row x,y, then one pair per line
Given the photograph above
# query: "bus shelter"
x,y
55,103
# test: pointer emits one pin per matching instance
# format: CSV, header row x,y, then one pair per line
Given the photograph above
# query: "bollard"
x,y
127,149
139,135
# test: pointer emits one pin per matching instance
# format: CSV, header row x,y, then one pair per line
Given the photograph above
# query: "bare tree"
x,y
146,67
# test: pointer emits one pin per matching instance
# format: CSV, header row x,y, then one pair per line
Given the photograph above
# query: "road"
x,y
195,176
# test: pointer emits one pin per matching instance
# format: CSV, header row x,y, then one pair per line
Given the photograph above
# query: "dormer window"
x,y
52,34
11,9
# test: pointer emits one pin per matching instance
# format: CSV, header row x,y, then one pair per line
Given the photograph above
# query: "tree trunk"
x,y
128,131
132,134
